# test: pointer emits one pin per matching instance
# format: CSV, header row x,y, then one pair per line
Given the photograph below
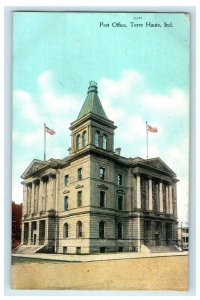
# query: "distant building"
x,y
183,237
94,199
16,224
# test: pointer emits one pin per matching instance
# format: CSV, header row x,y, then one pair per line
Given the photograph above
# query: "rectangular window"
x,y
78,250
102,199
119,179
66,203
102,173
120,202
79,199
66,179
80,173
64,250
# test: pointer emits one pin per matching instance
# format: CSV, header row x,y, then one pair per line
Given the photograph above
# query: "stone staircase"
x,y
163,249
28,249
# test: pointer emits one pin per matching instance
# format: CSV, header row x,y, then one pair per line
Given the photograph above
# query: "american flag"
x,y
50,131
152,129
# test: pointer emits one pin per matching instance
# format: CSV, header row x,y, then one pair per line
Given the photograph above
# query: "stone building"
x,y
16,224
95,200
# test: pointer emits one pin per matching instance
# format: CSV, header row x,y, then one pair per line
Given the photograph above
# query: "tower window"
x,y
80,174
79,198
102,173
96,139
102,198
84,139
66,203
119,179
79,232
78,142
101,230
120,202
104,141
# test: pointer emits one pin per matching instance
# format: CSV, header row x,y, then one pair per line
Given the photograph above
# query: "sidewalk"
x,y
97,257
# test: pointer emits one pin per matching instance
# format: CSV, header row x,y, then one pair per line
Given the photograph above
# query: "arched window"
x,y
119,231
78,142
104,141
66,230
101,230
84,139
79,232
96,139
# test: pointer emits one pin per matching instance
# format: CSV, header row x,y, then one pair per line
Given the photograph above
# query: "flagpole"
x,y
147,138
44,141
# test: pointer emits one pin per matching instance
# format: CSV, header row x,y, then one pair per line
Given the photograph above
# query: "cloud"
x,y
26,106
32,138
175,101
129,103
53,101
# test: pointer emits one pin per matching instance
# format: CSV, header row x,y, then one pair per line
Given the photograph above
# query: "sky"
x,y
142,73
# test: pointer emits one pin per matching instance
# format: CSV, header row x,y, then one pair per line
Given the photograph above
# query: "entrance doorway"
x,y
34,238
157,239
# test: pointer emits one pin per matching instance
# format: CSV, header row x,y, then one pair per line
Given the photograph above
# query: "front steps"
x,y
162,248
28,249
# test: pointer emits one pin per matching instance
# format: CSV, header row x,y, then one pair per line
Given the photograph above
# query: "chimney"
x,y
70,150
117,151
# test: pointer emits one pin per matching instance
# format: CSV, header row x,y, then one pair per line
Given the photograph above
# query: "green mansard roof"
x,y
92,103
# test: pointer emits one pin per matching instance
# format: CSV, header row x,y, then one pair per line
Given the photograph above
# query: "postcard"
x,y
100,151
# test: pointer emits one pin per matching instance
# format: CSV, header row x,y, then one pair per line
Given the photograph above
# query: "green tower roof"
x,y
92,103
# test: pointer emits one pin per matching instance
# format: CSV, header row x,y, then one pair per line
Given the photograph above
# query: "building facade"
x,y
183,237
95,200
16,224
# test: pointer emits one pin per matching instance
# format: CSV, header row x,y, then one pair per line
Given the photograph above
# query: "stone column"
x,y
174,192
45,196
161,197
32,197
150,196
54,192
25,199
28,199
138,192
40,196
170,200
49,193
146,195
29,233
167,199
22,233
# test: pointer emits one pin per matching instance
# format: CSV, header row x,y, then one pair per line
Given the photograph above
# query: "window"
x,y
84,139
119,231
78,250
120,202
79,232
64,250
102,198
80,174
101,230
78,142
104,141
66,203
66,179
96,139
79,198
102,173
119,179
65,230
